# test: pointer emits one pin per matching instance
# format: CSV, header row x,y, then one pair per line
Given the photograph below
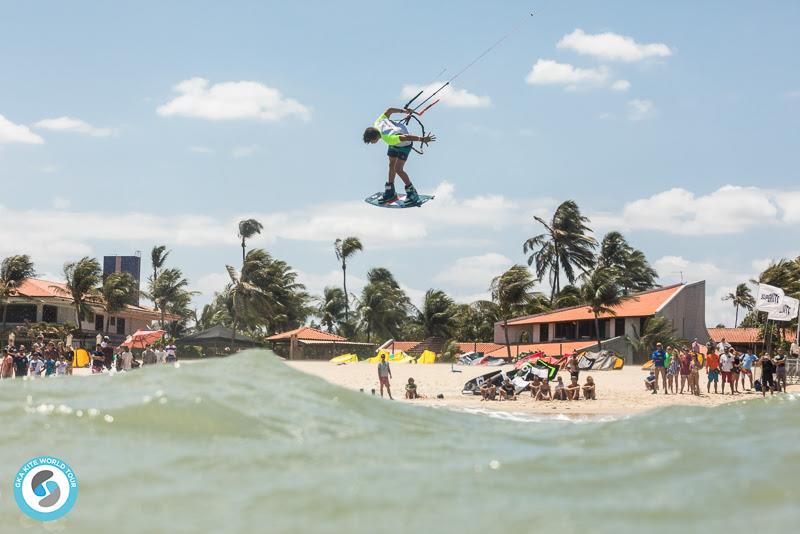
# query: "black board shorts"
x,y
400,152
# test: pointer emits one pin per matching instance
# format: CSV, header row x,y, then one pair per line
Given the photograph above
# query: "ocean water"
x,y
247,444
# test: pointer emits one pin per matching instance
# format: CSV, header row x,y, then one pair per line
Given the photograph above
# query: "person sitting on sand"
x,y
589,389
561,391
507,391
411,389
544,392
536,383
650,382
488,391
574,389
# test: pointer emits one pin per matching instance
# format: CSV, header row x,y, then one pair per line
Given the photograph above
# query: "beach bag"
x,y
757,385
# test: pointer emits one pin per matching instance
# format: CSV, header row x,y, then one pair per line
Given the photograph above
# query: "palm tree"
x,y
14,270
657,329
239,291
330,308
82,279
345,248
564,246
601,294
568,297
632,270
511,292
741,297
117,291
437,316
158,257
169,287
247,229
383,306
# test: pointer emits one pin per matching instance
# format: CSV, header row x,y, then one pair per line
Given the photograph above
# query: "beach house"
x,y
565,330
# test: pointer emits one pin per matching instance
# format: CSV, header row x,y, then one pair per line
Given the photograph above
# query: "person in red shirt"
x,y
712,369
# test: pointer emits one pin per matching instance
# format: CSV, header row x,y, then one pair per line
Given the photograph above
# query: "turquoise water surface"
x,y
246,444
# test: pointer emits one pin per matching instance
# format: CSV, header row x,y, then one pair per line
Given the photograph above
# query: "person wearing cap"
x,y
659,358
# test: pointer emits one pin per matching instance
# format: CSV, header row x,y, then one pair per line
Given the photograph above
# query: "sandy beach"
x,y
618,392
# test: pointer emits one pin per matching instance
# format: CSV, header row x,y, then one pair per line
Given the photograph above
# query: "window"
x,y
19,313
49,314
99,322
586,329
642,324
544,332
112,321
619,326
565,331
120,326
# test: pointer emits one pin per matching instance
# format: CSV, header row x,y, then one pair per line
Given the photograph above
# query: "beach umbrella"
x,y
141,338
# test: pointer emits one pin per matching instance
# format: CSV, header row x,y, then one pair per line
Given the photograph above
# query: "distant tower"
x,y
125,264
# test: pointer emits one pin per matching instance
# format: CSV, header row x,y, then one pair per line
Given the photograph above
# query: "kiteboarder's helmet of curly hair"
x,y
371,135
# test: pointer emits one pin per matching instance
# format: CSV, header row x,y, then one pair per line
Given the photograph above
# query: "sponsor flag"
x,y
787,311
769,298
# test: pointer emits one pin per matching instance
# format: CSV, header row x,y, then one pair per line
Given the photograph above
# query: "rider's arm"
x,y
397,110
427,139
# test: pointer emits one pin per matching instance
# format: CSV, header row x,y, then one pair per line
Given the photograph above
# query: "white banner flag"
x,y
769,298
787,311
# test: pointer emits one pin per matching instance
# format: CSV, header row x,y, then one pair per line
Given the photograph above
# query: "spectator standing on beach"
x,y
49,364
148,356
6,365
572,365
712,369
20,363
723,347
659,358
161,355
748,360
384,374
684,362
695,346
673,372
726,364
767,375
780,370
61,366
172,353
98,358
736,370
126,356
694,376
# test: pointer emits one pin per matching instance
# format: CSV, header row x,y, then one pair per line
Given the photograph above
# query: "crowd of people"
x,y
540,390
51,358
675,367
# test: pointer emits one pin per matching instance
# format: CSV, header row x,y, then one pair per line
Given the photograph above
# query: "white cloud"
x,y
450,96
230,101
639,110
201,150
719,282
792,95
69,124
612,46
244,151
474,271
49,169
549,72
211,283
17,133
621,85
61,203
728,210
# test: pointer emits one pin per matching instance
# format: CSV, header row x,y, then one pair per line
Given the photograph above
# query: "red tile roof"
x,y
550,349
478,347
741,335
307,334
639,305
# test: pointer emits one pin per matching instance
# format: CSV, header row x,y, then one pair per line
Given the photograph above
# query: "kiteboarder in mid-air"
x,y
395,134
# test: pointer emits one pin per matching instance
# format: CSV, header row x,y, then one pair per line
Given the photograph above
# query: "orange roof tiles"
x,y
478,347
639,305
34,287
307,334
741,335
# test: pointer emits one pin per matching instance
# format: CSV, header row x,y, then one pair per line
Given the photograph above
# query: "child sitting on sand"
x,y
561,391
589,392
544,391
411,389
488,391
650,382
574,389
507,391
535,385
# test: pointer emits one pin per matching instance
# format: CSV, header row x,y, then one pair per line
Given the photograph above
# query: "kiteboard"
x,y
399,201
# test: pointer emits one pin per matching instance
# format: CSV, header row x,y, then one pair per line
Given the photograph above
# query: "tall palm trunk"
x,y
597,332
736,320
78,318
505,331
244,255
346,297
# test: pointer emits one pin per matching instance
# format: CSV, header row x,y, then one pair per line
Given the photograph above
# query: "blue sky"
x,y
125,126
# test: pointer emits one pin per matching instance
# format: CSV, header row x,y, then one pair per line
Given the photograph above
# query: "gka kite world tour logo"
x,y
45,488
